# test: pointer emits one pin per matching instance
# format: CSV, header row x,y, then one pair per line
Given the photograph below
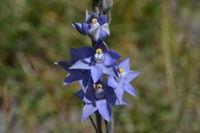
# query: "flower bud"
x,y
106,5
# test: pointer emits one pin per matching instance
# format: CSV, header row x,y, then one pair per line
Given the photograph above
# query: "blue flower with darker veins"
x,y
100,62
121,82
98,97
95,26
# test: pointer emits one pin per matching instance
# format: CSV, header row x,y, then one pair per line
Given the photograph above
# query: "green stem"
x,y
110,125
93,124
98,120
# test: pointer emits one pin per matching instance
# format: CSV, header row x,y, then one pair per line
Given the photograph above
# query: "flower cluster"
x,y
103,80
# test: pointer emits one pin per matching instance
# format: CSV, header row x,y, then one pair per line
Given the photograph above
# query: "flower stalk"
x,y
110,125
93,124
99,122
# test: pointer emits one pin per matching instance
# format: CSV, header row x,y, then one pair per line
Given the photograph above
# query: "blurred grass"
x,y
160,37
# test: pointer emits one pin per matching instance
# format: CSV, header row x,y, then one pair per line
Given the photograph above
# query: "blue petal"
x,y
85,83
125,64
74,55
100,32
124,102
104,109
104,32
110,95
80,65
86,79
111,57
131,75
96,73
94,33
100,44
119,92
81,95
88,109
112,82
77,26
81,27
85,28
87,60
87,15
72,77
85,52
64,64
107,70
129,88
114,54
77,54
102,19
89,91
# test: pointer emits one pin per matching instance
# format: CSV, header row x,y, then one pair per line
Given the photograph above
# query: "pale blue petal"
x,y
125,64
107,70
87,60
104,109
123,102
88,109
112,82
84,86
87,15
131,75
94,33
96,73
111,57
129,88
119,92
80,65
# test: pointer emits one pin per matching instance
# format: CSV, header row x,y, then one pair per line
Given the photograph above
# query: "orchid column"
x,y
102,79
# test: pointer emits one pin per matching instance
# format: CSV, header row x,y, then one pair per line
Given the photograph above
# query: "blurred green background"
x,y
160,36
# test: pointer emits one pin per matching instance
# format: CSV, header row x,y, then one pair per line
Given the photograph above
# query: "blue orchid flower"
x,y
98,97
95,26
100,62
76,74
121,82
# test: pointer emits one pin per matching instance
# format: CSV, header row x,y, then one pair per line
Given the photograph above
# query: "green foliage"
x,y
161,38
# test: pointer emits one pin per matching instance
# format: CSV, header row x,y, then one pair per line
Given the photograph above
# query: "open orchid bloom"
x,y
98,97
95,26
101,62
121,82
75,75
